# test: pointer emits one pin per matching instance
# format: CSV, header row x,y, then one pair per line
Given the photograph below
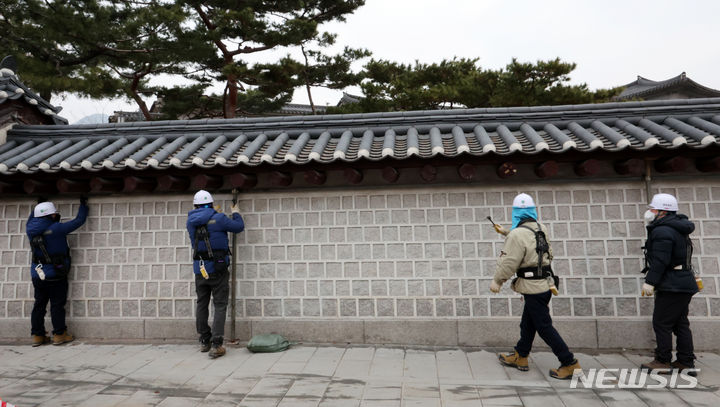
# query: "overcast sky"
x,y
610,41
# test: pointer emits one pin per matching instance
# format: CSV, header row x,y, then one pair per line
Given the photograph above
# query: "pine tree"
x,y
240,29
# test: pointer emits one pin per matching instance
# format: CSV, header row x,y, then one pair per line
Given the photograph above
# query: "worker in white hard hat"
x,y
49,269
208,231
526,256
670,277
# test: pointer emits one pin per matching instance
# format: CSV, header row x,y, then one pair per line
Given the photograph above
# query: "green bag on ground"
x,y
268,343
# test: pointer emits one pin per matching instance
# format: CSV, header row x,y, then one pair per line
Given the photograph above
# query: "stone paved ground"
x,y
97,375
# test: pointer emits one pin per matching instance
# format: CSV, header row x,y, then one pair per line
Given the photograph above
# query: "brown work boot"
x,y
204,346
38,340
514,360
216,351
64,337
662,368
688,370
565,372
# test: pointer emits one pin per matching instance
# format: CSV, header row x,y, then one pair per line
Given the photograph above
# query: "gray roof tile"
x,y
323,139
12,89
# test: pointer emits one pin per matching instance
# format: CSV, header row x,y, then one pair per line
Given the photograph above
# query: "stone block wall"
x,y
363,255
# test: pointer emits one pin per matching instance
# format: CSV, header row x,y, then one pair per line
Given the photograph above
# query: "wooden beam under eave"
x,y
466,171
70,186
708,164
32,187
106,185
139,184
587,167
315,177
172,183
546,169
631,166
506,170
428,173
11,188
207,182
353,175
671,164
390,174
243,181
281,179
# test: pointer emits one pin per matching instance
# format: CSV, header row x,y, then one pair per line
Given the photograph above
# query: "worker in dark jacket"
x,y
211,256
50,267
670,277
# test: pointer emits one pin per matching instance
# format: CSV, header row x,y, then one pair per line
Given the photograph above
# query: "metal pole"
x,y
648,179
233,274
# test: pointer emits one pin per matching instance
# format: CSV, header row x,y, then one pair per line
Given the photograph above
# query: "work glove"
x,y
494,287
235,208
501,230
647,290
83,200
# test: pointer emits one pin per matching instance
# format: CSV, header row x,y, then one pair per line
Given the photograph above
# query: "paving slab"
x,y
98,375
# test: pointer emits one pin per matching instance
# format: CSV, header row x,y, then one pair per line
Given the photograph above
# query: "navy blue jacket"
x,y
55,234
667,248
218,225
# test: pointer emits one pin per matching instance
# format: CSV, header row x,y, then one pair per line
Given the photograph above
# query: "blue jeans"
x,y
536,318
55,292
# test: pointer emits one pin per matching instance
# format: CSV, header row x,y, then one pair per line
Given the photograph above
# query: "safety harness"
x,y
542,248
680,267
60,262
216,256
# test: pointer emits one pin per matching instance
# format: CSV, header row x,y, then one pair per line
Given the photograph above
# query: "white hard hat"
x,y
44,209
664,202
202,197
523,201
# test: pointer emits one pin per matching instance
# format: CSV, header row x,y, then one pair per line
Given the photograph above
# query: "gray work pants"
x,y
218,286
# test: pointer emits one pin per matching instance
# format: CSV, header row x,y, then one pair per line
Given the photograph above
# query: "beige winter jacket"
x,y
519,252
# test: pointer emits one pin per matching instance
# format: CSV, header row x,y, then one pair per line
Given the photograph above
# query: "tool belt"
x,y
55,260
532,273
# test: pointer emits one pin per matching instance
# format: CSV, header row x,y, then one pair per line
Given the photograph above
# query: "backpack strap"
x,y
202,229
539,272
38,243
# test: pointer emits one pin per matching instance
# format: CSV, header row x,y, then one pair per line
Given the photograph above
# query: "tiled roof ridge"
x,y
32,98
656,86
320,123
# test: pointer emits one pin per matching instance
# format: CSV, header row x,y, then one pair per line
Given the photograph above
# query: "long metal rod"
x,y
233,276
648,179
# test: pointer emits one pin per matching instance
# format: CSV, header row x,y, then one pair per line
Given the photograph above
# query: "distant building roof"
x,y
15,96
679,87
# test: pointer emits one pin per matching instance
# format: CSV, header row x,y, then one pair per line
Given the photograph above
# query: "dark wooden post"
x,y
506,169
390,174
546,169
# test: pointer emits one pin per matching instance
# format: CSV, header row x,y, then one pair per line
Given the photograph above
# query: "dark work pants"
x,y
55,292
536,318
670,316
219,287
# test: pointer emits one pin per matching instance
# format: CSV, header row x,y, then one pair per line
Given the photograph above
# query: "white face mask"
x,y
648,217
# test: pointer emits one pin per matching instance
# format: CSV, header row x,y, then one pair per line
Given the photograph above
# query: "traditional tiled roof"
x,y
318,140
11,88
643,88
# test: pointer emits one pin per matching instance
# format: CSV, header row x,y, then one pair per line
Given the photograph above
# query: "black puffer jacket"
x,y
666,249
